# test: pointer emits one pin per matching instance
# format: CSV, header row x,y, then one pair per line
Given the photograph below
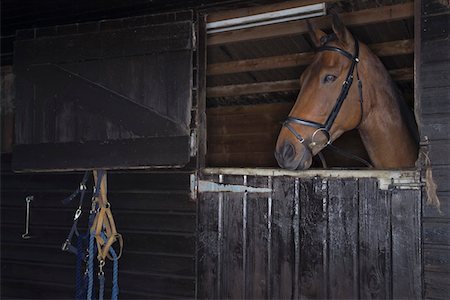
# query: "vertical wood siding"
x,y
434,92
152,211
310,238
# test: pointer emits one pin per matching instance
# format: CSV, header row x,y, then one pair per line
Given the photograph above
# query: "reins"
x,y
326,127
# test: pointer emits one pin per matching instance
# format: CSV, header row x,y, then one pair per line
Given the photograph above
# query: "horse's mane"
x,y
406,112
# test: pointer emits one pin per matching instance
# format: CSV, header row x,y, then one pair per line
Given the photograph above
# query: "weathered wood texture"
x,y
433,91
104,82
152,211
310,238
7,109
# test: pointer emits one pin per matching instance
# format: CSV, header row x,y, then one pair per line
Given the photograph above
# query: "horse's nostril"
x,y
288,151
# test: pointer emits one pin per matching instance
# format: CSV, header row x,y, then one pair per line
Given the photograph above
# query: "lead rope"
x,y
103,231
93,213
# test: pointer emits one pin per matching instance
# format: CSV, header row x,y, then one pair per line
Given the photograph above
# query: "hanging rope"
x,y
99,239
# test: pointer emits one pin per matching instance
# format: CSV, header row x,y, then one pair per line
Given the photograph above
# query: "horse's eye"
x,y
329,78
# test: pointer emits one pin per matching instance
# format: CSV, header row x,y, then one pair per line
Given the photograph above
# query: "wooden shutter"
x,y
108,94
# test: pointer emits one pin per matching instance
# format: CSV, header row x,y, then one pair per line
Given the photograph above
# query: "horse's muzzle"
x,y
293,158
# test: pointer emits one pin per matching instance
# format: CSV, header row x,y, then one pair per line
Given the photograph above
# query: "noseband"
x,y
325,128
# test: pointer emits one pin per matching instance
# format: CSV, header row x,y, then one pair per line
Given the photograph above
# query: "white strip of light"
x,y
280,16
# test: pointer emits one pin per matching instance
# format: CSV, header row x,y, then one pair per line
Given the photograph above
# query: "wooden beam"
x,y
252,88
300,59
405,74
361,17
260,9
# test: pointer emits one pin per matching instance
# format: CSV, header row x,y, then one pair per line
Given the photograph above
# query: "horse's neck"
x,y
385,134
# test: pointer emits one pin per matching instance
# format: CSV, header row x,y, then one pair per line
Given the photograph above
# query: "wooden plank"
x,y
430,211
282,256
135,41
300,59
130,200
239,110
156,221
435,126
179,244
435,50
232,244
436,258
437,233
208,246
437,285
435,100
252,159
343,238
404,74
436,74
165,151
433,27
441,176
252,88
439,152
130,261
216,132
259,64
406,244
313,237
257,240
254,10
362,17
434,7
374,241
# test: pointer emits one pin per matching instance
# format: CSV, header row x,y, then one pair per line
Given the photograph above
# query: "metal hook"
x,y
26,235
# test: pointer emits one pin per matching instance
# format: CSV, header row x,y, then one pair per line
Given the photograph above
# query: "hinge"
x,y
401,182
205,186
193,143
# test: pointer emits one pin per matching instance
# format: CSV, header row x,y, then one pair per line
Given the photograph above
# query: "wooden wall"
x,y
152,211
246,135
433,91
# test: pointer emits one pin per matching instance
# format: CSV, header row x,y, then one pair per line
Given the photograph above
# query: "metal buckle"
x,y
327,134
77,214
65,245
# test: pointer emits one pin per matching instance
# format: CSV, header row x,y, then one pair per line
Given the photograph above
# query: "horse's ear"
x,y
340,30
315,34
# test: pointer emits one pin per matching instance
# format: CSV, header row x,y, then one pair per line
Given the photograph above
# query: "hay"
x,y
430,185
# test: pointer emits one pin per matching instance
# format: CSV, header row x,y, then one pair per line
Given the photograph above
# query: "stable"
x,y
183,108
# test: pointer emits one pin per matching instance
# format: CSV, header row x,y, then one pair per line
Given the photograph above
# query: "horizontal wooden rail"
x,y
361,17
405,74
300,59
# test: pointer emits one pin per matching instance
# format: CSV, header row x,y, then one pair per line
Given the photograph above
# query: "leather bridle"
x,y
325,128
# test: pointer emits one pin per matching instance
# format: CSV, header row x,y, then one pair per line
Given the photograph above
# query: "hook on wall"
x,y
28,200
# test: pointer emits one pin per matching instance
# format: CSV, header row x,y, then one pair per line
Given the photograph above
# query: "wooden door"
x,y
302,235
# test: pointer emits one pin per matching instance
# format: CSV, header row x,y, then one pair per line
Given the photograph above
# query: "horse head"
x,y
320,114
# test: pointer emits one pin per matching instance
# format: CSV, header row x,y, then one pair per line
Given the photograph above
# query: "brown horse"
x,y
342,74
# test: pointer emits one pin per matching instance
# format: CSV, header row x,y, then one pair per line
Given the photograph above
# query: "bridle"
x,y
325,128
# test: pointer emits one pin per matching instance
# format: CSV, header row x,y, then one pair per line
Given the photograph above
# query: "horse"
x,y
330,103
